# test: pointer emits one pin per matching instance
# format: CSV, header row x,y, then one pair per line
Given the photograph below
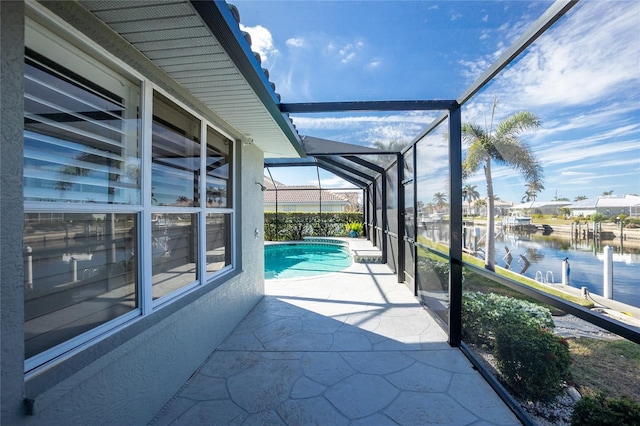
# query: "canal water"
x,y
546,253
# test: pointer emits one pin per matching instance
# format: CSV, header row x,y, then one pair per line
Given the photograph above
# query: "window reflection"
x,y
218,169
176,155
80,139
218,241
174,248
80,272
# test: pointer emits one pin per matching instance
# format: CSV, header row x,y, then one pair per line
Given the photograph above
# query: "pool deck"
x,y
347,348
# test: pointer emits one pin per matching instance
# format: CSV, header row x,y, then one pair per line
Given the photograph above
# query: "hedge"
x,y
292,226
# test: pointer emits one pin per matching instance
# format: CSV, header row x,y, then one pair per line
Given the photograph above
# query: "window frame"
x,y
40,24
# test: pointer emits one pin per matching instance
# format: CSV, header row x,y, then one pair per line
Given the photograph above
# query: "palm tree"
x,y
580,198
480,203
429,208
503,146
607,192
470,194
440,200
532,190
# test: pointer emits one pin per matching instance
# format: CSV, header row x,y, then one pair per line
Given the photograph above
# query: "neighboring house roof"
x,y
496,203
607,201
200,46
302,195
540,204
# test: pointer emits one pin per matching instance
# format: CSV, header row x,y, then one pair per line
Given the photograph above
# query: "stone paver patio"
x,y
350,348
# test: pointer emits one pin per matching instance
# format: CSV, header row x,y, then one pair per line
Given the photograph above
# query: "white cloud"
x,y
295,42
578,174
418,118
582,61
398,132
261,42
347,52
374,63
332,182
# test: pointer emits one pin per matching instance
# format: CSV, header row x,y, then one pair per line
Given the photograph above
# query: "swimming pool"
x,y
304,259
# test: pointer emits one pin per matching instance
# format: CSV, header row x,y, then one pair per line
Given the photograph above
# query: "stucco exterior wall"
x,y
11,217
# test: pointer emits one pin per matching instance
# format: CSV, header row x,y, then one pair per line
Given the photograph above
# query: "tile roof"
x,y
302,194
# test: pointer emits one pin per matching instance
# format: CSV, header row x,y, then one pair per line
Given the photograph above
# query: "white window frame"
x,y
41,20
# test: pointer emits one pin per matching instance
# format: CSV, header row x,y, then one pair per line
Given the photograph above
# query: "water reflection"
x,y
545,254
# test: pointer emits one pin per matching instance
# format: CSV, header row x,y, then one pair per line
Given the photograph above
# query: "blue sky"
x,y
582,79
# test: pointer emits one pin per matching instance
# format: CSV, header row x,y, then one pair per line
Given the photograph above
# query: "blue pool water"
x,y
297,260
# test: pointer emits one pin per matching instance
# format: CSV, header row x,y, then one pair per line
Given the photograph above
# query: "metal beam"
x,y
340,173
365,163
400,216
414,162
385,221
345,163
374,216
416,105
290,164
343,166
455,227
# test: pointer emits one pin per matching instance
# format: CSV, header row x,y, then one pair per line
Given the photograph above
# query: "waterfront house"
x,y
538,207
608,205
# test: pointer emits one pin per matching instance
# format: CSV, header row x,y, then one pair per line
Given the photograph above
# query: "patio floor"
x,y
353,347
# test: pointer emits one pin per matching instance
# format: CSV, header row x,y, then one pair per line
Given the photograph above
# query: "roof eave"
x,y
220,21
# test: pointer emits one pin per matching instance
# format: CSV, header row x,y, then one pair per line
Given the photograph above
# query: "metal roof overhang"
x,y
200,46
347,160
342,159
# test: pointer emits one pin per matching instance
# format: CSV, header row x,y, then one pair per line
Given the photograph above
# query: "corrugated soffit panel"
x,y
175,38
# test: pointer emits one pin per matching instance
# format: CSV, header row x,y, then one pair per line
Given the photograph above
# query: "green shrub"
x,y
355,227
297,225
601,411
483,315
533,362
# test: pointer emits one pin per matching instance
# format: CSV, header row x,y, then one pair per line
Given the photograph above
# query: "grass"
x,y
611,367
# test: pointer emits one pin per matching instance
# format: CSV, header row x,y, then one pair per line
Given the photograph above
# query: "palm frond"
x,y
517,155
516,124
476,156
472,132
